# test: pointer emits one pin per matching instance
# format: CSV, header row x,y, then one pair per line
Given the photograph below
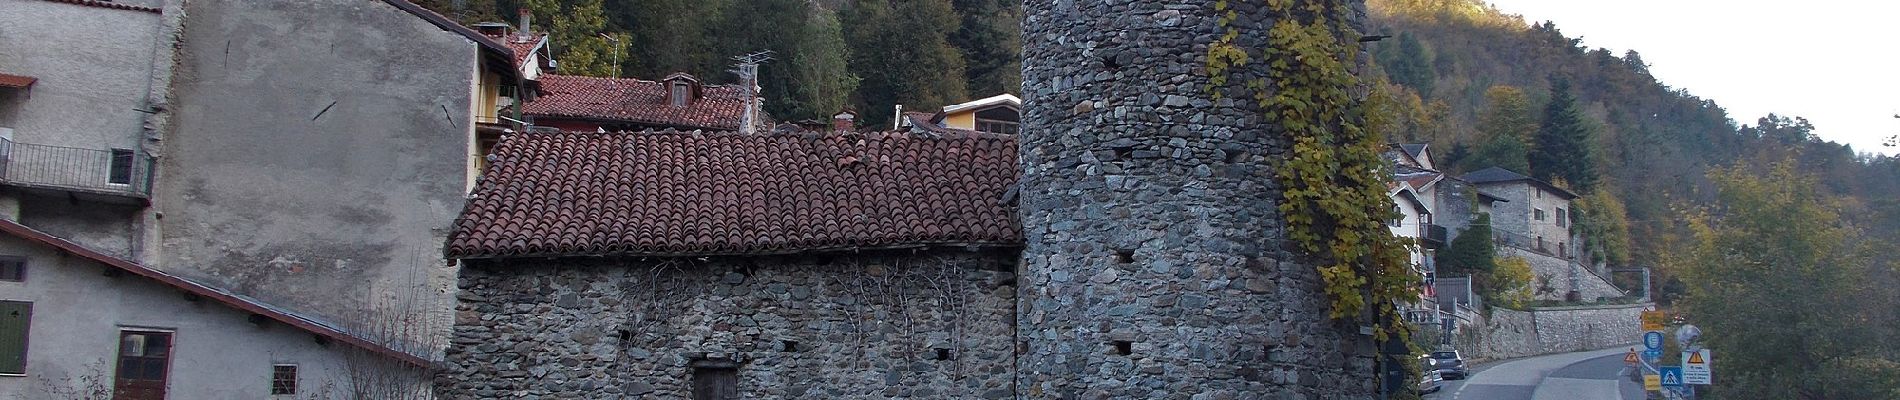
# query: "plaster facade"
x,y
317,150
96,69
1155,264
935,324
217,351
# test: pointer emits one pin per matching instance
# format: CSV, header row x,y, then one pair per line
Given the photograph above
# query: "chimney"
x,y
844,121
898,120
526,28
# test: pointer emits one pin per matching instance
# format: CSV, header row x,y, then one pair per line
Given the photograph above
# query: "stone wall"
x,y
1558,273
1512,333
845,326
1155,263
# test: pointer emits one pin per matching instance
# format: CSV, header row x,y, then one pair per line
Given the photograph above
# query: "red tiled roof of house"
x,y
637,101
108,4
523,47
671,193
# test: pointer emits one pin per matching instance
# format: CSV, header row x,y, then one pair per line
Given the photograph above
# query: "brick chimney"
x,y
846,120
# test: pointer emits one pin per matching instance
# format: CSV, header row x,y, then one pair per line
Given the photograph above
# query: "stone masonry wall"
x,y
844,326
1156,263
1558,272
1512,333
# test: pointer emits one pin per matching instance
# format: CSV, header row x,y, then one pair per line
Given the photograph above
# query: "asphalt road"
x,y
1589,375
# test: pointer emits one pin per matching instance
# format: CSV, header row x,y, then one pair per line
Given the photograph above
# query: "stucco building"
x,y
308,155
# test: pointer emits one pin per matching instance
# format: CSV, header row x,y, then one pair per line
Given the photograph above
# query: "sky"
x,y
1834,62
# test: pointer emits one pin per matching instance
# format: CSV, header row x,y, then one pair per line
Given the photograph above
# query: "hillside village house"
x,y
1000,114
1534,223
311,171
678,101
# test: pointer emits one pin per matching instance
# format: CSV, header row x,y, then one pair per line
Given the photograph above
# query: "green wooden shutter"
x,y
14,317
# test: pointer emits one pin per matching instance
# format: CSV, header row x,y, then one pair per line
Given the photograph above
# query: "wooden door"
x,y
144,363
715,384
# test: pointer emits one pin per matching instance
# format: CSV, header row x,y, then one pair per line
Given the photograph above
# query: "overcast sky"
x,y
1835,62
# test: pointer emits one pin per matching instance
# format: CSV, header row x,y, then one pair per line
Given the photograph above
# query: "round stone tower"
x,y
1156,264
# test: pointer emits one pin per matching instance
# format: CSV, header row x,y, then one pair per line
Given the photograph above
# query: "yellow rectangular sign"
x,y
1654,320
1652,382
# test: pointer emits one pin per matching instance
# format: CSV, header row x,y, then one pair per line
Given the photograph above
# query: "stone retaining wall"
x,y
931,325
1558,271
1512,333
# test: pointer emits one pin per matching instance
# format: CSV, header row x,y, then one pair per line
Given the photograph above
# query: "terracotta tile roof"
x,y
670,193
108,4
315,326
523,47
637,101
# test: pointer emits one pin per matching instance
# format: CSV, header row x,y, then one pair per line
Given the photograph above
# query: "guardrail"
x,y
122,172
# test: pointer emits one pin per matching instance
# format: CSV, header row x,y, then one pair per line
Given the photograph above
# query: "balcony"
x,y
114,175
1434,236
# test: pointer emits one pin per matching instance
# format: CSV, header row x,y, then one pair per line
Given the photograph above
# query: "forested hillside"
x,y
1483,87
829,54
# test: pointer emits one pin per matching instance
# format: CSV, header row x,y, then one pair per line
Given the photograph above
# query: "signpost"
x,y
1652,383
1653,340
1695,368
1671,377
1630,357
1654,320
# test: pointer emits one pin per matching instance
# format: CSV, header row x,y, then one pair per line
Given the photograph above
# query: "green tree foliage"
x,y
990,40
820,82
1509,285
581,39
901,54
1472,253
676,36
466,11
1563,144
1409,63
1504,131
1784,287
1600,219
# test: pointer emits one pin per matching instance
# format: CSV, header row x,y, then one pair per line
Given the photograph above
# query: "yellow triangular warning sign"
x,y
1630,357
1695,357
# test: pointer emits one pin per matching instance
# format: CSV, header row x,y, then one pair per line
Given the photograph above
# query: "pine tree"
x,y
670,36
990,40
902,56
1410,64
1563,143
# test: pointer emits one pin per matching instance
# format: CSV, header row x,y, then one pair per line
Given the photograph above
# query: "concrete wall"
x,y
218,354
95,68
316,150
1563,276
858,326
1512,333
1149,211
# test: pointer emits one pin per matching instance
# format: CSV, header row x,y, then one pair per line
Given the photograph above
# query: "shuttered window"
x,y
14,318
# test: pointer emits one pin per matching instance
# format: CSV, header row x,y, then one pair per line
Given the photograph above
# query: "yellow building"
x,y
995,114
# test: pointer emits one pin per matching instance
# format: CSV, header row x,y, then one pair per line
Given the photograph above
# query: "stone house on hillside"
x,y
78,323
303,154
1534,223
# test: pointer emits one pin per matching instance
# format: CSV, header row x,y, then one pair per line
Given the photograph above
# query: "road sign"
x,y
1695,368
1652,382
1653,340
1670,376
1654,320
1630,357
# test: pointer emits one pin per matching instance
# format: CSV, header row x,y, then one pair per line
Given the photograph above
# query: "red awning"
x,y
10,80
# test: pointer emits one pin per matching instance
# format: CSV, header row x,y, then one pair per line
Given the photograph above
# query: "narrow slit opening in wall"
x,y
788,345
1108,62
624,335
1124,256
943,354
1124,153
1124,347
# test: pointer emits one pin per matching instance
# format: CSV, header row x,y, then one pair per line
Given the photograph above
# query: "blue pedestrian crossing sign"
x,y
1653,340
1671,376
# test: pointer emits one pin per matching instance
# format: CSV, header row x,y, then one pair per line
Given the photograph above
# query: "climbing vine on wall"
x,y
1335,204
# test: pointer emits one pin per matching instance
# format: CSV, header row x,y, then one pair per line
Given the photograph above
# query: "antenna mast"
x,y
749,76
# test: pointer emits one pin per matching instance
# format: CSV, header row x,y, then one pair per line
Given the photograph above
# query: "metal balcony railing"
x,y
121,172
